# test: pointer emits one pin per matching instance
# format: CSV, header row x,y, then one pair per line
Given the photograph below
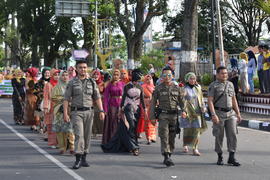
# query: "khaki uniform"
x,y
226,115
169,98
81,94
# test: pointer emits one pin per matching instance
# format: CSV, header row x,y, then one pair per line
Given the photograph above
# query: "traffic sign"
x,y
72,8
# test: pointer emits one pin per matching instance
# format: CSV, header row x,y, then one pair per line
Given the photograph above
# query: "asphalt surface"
x,y
20,160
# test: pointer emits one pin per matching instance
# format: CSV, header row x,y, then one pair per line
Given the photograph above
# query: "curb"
x,y
252,124
255,124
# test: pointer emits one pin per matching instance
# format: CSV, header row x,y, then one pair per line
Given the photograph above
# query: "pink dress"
x,y
111,103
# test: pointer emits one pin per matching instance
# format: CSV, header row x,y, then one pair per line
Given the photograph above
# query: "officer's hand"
x,y
102,116
239,118
215,119
66,118
184,115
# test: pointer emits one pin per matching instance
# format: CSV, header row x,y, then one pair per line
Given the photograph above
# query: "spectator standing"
x,y
252,64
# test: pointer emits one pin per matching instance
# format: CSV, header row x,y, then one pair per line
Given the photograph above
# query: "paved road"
x,y
34,160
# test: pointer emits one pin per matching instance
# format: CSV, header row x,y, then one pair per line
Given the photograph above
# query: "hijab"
x,y
17,76
148,87
100,78
187,78
43,74
52,80
126,78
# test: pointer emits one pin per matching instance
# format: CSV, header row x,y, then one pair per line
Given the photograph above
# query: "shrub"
x,y
206,79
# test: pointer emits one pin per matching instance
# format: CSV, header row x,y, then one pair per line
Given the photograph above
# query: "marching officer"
x,y
168,97
82,92
225,114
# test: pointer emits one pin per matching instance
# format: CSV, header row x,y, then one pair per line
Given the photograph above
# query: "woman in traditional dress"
x,y
125,139
150,128
242,64
31,98
39,87
252,65
111,105
64,131
48,107
194,107
18,97
97,123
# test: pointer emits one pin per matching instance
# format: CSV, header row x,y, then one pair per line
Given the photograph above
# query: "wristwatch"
x,y
213,114
101,111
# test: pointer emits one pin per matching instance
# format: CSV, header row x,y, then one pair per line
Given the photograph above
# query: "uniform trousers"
x,y
82,122
230,127
167,132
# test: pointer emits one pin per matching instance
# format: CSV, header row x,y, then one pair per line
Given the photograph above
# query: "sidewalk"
x,y
255,121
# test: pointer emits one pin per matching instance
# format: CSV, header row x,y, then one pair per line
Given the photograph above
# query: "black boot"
x,y
84,163
232,161
220,159
78,161
167,160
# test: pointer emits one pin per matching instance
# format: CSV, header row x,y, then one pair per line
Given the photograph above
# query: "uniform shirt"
x,y
167,97
82,93
215,89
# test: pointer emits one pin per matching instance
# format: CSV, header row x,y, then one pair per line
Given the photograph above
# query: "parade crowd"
x,y
70,106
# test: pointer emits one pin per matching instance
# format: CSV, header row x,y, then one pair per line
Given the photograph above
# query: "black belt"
x,y
80,108
223,109
169,111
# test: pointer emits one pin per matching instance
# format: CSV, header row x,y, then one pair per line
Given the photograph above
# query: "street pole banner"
x,y
6,87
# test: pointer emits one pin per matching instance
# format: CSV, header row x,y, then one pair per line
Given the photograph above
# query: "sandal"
x,y
196,152
185,150
135,152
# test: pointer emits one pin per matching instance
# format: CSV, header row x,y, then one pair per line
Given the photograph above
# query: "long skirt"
x,y
191,137
122,141
29,110
18,109
110,124
48,118
97,123
244,82
65,140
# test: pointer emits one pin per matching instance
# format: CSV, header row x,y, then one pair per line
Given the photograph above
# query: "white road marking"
x,y
254,130
47,155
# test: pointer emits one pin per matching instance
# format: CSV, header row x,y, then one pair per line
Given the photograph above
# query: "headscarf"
x,y
187,77
100,78
126,78
16,73
61,84
148,88
234,63
43,73
33,73
114,71
52,80
243,56
136,75
71,76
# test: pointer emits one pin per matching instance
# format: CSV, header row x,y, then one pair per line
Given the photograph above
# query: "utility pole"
x,y
213,36
220,35
96,34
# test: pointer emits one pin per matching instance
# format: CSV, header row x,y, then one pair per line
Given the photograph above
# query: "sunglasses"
x,y
166,75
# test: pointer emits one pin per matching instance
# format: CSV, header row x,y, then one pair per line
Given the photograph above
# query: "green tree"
x,y
133,23
246,18
155,57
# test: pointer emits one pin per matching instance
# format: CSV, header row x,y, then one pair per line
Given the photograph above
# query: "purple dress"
x,y
111,103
